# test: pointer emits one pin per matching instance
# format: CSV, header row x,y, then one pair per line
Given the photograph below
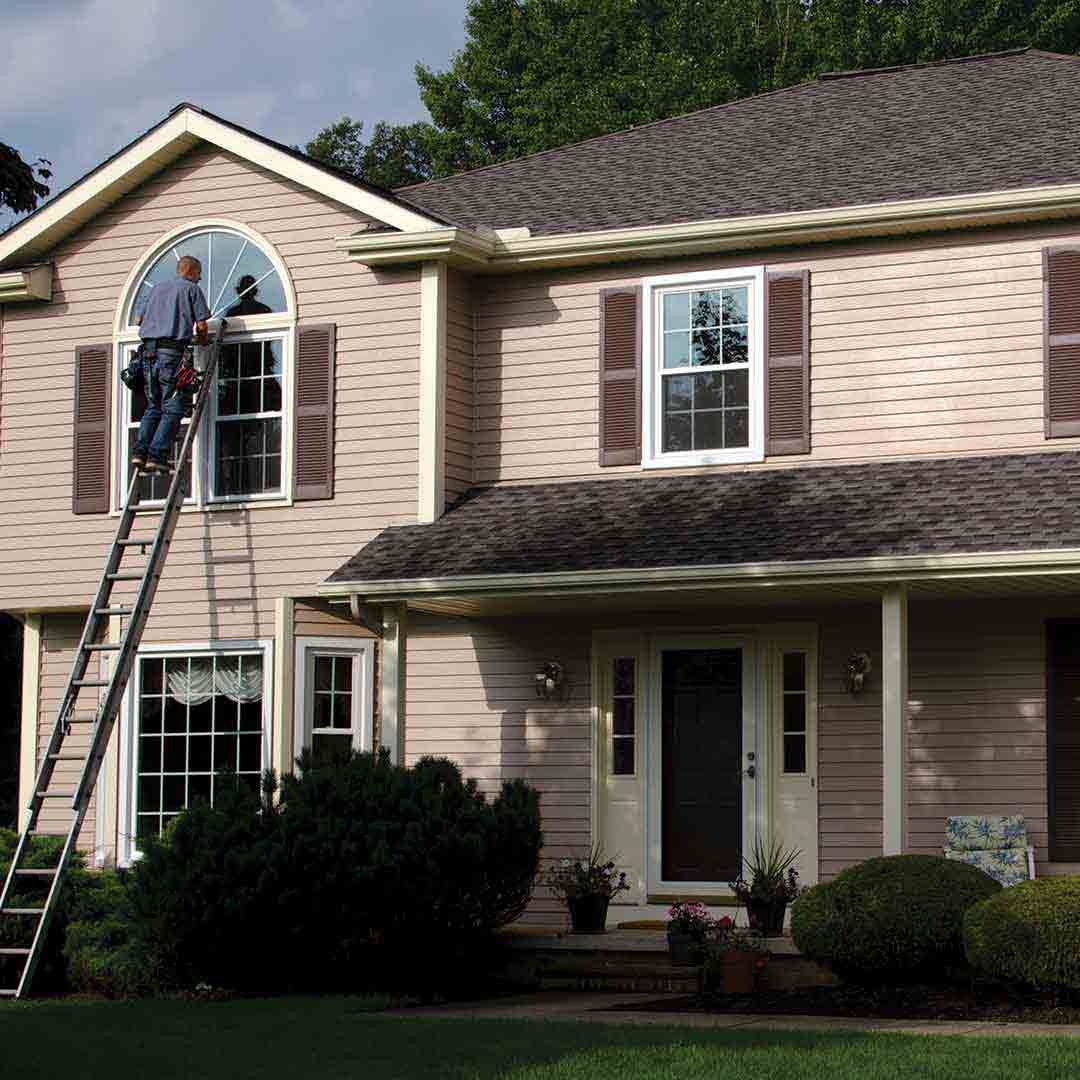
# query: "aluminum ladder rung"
x,y
14,952
8,993
37,873
122,611
22,911
66,757
132,542
56,794
133,576
109,647
90,682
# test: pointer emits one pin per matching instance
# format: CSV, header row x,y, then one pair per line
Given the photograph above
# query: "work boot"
x,y
157,468
138,459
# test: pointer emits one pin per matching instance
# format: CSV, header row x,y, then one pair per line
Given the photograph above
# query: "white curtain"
x,y
198,681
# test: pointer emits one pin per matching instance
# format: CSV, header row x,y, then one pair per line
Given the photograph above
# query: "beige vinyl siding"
x,y
226,566
470,697
930,346
849,742
317,618
60,636
460,390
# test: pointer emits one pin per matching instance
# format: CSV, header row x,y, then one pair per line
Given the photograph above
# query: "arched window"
x,y
241,452
239,278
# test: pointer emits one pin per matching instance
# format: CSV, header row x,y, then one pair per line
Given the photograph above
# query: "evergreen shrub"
x,y
1028,933
897,916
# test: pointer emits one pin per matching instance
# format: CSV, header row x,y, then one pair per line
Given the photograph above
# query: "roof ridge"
x,y
822,77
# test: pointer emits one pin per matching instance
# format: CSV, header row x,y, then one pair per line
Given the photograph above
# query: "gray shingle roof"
x,y
952,505
1009,120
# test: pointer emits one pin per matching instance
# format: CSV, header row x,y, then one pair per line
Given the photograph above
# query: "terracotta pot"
x,y
767,916
683,948
737,972
588,914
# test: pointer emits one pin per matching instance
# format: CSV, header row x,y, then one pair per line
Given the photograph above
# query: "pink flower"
x,y
725,922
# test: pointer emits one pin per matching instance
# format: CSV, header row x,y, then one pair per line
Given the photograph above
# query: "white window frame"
x,y
653,289
362,653
127,818
280,325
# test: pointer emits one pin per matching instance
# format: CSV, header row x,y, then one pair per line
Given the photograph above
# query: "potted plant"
x,y
688,925
773,883
586,886
733,960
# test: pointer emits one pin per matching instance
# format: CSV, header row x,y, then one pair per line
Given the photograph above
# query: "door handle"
x,y
751,771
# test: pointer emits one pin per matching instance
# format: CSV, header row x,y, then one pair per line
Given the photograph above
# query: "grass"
x,y
338,1038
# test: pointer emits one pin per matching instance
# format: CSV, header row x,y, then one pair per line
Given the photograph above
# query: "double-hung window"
x,y
703,368
241,452
334,696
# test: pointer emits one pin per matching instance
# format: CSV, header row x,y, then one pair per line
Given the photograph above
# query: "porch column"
x,y
432,492
392,680
894,694
31,706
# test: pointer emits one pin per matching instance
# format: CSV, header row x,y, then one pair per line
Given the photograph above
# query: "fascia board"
x,y
462,247
367,202
821,572
760,230
33,283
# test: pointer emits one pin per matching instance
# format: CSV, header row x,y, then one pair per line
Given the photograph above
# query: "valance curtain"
x,y
239,679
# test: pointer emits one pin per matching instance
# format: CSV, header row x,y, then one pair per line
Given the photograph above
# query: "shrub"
x,y
248,895
901,915
1029,933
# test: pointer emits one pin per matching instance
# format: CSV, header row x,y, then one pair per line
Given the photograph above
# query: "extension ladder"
x,y
91,645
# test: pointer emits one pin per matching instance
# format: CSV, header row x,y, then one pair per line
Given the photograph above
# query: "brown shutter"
x,y
1061,341
90,479
1063,740
315,358
787,362
620,376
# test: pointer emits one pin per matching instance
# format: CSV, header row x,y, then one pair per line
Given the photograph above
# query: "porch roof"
x,y
921,513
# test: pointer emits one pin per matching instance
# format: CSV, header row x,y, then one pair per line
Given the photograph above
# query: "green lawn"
x,y
335,1038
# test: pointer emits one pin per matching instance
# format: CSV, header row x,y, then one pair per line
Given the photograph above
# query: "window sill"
x,y
683,461
190,507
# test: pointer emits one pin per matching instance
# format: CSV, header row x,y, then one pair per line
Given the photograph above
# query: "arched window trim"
x,y
124,331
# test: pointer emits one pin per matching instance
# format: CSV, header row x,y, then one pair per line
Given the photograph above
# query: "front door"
x,y
701,781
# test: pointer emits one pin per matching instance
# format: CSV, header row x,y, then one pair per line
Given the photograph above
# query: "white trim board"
x,y
158,148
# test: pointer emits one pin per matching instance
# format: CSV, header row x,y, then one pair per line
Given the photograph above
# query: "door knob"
x,y
751,771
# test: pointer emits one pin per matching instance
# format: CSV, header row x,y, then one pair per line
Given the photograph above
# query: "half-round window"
x,y
238,277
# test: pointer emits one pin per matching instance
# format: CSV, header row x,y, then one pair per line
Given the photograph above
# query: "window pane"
x,y
324,672
735,305
251,715
706,308
174,757
224,753
342,673
199,754
736,388
342,711
678,391
322,711
268,294
272,358
151,676
228,363
250,396
201,716
676,431
175,716
623,716
708,430
736,428
624,675
173,793
705,347
326,748
251,359
677,311
794,712
250,753
149,793
150,754
677,349
709,390
623,757
244,447
200,789
735,345
794,753
272,394
150,715
794,671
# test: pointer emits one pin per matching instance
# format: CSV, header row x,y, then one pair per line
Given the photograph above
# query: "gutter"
x,y
875,570
32,283
513,249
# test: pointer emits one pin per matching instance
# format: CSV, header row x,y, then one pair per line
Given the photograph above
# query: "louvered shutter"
x,y
1063,740
90,472
787,362
315,357
1061,341
620,376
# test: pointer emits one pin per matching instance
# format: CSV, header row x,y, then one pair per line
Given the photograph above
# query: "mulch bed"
x,y
966,1001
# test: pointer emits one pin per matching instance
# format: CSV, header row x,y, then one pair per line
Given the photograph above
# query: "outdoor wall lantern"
x,y
855,672
549,680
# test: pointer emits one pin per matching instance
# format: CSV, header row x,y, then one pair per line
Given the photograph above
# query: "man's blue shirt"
x,y
173,309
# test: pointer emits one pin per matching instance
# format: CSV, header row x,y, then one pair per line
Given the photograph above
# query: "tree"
x,y
395,156
20,186
535,74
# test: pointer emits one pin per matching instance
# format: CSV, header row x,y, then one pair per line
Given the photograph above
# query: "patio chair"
x,y
996,844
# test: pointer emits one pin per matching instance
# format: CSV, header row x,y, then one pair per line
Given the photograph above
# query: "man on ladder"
x,y
174,309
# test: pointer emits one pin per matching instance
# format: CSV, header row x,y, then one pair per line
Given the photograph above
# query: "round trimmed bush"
x,y
901,915
1029,933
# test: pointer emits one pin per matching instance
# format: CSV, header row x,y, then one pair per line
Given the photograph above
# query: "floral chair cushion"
x,y
985,833
1007,865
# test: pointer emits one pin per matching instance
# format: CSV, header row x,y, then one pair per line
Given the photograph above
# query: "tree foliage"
x,y
21,184
535,74
395,156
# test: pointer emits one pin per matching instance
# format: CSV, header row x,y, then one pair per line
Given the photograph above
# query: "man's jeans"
x,y
164,408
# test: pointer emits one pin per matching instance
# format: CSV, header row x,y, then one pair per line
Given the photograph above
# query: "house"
x,y
720,476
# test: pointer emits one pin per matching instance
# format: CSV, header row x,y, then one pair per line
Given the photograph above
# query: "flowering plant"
x,y
689,918
592,876
772,874
724,937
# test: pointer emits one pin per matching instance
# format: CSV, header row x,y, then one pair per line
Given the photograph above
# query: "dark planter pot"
x,y
767,916
683,949
738,972
588,914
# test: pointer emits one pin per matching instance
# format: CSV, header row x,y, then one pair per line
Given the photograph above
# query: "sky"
x,y
79,79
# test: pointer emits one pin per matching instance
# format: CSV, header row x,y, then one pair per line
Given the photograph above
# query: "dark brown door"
x,y
701,834
1063,738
